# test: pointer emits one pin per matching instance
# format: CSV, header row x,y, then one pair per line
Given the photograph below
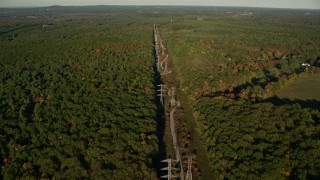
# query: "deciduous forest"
x,y
78,92
238,67
76,96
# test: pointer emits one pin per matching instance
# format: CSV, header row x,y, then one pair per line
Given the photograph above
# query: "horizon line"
x,y
186,5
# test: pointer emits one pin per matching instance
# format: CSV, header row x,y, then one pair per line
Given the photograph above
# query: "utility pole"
x,y
158,62
162,92
189,172
171,170
171,93
156,40
164,66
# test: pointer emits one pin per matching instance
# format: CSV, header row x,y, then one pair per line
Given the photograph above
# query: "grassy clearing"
x,y
303,88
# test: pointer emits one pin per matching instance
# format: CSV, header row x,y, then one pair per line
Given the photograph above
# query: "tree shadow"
x,y
156,158
18,28
309,103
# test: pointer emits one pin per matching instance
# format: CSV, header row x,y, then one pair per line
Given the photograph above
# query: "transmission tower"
x,y
189,172
164,66
170,169
162,92
171,93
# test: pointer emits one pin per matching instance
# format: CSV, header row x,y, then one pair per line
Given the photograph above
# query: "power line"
x,y
173,166
162,92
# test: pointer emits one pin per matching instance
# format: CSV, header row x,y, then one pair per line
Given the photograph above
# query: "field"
x,y
304,88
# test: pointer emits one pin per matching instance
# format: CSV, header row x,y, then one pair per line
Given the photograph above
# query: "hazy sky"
x,y
308,4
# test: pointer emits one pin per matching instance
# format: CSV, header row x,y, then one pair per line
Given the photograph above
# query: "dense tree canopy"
x,y
261,140
232,63
77,96
74,99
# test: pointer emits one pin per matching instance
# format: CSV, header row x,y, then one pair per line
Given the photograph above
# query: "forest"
x,y
76,95
250,75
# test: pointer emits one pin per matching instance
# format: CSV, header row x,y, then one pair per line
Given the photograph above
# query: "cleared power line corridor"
x,y
162,66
